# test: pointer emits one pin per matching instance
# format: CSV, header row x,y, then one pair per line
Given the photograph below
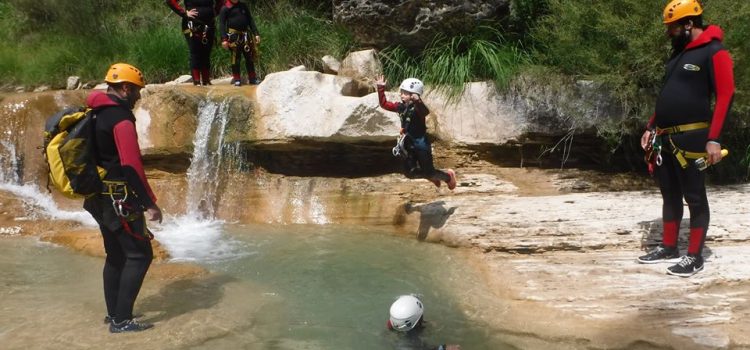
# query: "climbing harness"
x,y
198,29
118,193
400,149
682,155
238,38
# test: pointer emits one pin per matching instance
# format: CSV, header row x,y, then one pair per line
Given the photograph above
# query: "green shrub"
x,y
448,63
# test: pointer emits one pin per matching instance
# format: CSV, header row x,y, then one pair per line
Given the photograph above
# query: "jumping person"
x,y
126,200
199,28
684,127
239,35
406,317
413,113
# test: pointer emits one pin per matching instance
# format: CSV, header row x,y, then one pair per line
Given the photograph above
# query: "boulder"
x,y
330,64
73,83
480,115
182,79
42,88
316,106
361,65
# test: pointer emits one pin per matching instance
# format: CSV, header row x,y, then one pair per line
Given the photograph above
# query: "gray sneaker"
x,y
660,254
128,326
688,266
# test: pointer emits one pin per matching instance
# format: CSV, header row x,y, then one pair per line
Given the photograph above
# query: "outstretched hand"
x,y
192,13
380,81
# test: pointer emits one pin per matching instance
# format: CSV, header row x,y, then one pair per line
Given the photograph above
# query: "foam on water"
x,y
189,238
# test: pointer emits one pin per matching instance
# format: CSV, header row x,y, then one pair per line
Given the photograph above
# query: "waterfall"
x,y
204,173
197,235
38,202
9,163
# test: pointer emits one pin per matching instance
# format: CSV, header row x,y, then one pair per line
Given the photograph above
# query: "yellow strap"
x,y
235,31
115,187
682,128
682,155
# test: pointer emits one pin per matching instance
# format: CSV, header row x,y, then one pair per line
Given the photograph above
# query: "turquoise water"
x,y
338,283
269,287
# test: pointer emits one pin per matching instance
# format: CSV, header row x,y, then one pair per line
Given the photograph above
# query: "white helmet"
x,y
406,312
412,85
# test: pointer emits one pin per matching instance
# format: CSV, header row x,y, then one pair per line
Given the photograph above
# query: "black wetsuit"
x,y
413,340
129,252
413,122
200,34
237,17
702,71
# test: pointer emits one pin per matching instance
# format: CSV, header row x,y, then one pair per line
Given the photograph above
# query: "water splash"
x,y
41,205
188,238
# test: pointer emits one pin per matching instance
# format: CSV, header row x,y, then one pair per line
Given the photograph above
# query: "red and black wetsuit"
x,y
701,72
237,17
200,33
117,150
413,121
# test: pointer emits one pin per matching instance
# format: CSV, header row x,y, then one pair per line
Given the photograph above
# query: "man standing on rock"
x,y
126,200
685,128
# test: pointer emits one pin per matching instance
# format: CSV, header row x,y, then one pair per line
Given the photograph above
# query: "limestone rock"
x,y
481,115
331,65
361,65
300,68
42,88
182,79
312,105
73,83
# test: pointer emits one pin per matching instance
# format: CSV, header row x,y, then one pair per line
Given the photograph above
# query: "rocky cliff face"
x,y
413,23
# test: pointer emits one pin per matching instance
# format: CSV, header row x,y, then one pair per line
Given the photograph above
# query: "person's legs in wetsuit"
x,y
236,58
125,267
252,76
194,48
675,184
204,56
671,192
423,153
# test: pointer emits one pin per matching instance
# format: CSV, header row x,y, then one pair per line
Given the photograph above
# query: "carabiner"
x,y
658,158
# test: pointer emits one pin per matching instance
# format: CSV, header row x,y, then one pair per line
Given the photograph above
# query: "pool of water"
x,y
269,287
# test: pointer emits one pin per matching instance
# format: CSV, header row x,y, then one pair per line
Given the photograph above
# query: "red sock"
x,y
235,77
251,75
196,75
671,228
206,75
696,240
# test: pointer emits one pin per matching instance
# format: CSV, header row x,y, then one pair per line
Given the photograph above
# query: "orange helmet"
x,y
679,9
124,73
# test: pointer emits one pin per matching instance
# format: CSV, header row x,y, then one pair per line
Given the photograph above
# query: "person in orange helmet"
x,y
126,201
690,112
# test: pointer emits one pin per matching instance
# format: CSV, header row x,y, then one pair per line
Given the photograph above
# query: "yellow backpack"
x,y
70,152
